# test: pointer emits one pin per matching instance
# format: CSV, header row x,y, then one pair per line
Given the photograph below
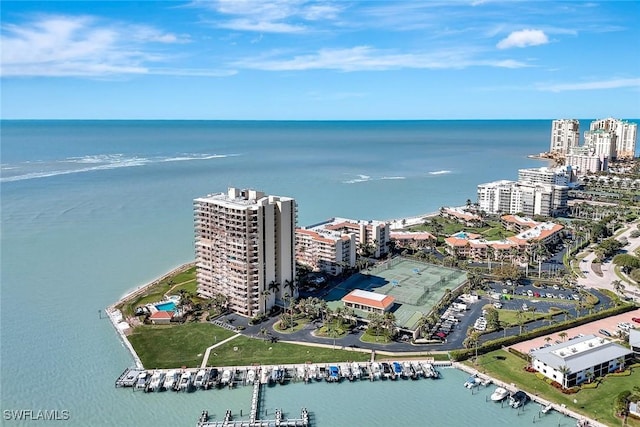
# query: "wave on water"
x,y
367,178
91,163
441,172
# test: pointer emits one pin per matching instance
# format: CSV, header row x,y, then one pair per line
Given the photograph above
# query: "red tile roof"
x,y
369,299
161,315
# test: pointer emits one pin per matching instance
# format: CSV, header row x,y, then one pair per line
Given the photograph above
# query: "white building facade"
x,y
245,248
625,135
580,359
565,133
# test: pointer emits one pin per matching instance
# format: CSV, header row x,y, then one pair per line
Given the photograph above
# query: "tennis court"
x,y
416,287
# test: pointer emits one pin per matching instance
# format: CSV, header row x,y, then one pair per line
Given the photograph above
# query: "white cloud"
x,y
81,46
274,16
594,85
523,38
366,58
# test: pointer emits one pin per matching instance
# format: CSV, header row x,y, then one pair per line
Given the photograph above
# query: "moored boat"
x,y
170,380
499,394
518,399
141,381
185,381
156,381
251,376
201,378
227,377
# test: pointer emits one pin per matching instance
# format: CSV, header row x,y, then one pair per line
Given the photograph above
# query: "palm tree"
x,y
547,339
620,361
520,319
618,286
490,255
563,335
265,294
589,375
375,322
564,370
263,333
389,325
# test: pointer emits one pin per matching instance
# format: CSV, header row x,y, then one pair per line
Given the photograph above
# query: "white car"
x,y
497,305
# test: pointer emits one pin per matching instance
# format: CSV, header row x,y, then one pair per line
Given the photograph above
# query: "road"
x,y
592,279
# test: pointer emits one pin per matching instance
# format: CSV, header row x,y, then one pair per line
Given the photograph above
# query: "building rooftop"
x,y
369,299
580,353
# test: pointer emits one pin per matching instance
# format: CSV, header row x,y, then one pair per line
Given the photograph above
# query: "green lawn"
x,y
368,336
172,346
444,357
248,351
594,403
157,292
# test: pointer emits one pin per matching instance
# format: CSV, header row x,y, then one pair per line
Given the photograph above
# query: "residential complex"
x,y
515,249
565,133
527,197
332,245
245,246
580,359
623,133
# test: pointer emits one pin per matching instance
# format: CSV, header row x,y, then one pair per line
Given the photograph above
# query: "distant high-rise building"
x,y
565,133
523,197
245,249
544,175
625,134
602,143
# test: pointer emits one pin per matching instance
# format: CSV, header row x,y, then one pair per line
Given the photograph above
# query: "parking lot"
x,y
609,324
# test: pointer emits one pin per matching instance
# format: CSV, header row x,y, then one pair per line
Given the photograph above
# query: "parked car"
x,y
605,332
497,305
636,319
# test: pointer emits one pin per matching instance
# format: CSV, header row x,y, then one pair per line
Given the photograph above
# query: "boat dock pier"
x,y
545,405
254,421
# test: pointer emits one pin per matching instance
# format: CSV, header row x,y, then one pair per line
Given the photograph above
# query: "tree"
x,y
563,335
375,322
547,339
520,319
265,295
589,375
618,286
626,262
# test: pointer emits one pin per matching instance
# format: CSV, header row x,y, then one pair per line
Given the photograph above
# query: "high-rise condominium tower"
x,y
245,249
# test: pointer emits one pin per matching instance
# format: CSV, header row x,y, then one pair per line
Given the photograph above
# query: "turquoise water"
x,y
166,306
93,209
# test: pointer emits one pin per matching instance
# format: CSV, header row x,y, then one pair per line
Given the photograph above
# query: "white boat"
x,y
417,367
170,380
472,381
251,376
547,408
156,381
300,372
266,374
376,370
314,372
141,381
227,376
185,381
499,394
355,369
429,371
201,378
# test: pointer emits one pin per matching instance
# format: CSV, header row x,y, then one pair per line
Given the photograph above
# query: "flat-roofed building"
x,y
368,301
634,341
625,135
544,175
601,142
372,234
325,250
573,362
494,197
565,133
245,246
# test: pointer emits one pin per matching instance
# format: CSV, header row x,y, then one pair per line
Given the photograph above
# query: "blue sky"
x,y
294,59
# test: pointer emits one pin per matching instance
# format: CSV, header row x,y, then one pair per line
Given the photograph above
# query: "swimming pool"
x,y
166,306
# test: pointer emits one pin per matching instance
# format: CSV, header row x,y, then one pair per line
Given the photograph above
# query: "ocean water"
x,y
93,209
